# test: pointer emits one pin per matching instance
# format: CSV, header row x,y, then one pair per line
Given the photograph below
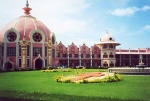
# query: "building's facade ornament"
x,y
23,44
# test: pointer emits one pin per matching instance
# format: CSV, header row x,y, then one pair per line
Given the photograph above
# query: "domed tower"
x,y
27,43
107,45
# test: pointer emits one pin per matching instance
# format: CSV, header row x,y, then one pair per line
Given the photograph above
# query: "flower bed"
x,y
95,77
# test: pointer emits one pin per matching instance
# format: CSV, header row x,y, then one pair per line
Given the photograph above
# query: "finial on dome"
x,y
27,4
27,9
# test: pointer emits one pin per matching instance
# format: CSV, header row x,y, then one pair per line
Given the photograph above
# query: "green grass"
x,y
37,85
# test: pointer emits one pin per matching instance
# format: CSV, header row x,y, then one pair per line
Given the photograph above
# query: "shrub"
x,y
58,78
117,76
67,70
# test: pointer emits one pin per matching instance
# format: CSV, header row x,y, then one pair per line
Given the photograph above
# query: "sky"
x,y
86,21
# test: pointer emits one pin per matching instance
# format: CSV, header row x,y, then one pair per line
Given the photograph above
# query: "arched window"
x,y
110,46
111,55
105,55
105,64
104,46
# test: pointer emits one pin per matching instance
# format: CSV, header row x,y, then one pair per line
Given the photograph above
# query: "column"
x,y
91,55
23,44
49,53
68,55
79,56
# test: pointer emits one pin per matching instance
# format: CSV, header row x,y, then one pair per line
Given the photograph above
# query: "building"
x,y
28,44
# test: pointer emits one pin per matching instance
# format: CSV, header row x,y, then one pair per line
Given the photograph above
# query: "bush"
x,y
117,76
67,70
58,78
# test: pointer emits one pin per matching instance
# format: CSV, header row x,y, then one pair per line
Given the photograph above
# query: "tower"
x,y
107,46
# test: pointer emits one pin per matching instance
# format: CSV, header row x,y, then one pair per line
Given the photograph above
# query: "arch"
x,y
105,64
105,55
8,66
111,55
39,62
111,64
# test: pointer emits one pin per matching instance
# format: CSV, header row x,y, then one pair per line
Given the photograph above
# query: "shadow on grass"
x,y
37,96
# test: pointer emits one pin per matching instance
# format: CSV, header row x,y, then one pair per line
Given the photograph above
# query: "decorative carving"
x,y
49,44
23,43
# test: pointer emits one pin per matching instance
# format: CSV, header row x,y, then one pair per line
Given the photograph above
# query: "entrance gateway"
x,y
38,63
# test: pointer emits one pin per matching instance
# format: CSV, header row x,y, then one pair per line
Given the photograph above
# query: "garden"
x,y
41,85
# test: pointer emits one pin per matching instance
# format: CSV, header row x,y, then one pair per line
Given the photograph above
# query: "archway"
x,y
38,63
8,66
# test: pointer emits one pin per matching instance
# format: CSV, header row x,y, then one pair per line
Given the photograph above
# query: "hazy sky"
x,y
85,21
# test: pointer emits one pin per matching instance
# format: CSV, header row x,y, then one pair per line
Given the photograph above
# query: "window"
x,y
87,55
19,62
104,46
37,37
110,46
36,51
11,51
53,53
98,55
76,55
105,55
92,55
28,50
19,50
64,55
81,55
28,62
45,50
11,36
45,62
70,55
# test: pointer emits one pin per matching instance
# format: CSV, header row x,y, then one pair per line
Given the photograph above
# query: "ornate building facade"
x,y
28,44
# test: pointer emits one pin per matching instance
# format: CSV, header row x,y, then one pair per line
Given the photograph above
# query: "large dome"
x,y
25,26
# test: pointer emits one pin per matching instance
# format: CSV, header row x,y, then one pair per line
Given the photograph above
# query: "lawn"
x,y
37,85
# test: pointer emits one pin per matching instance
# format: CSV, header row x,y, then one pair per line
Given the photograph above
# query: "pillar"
x,y
49,53
23,44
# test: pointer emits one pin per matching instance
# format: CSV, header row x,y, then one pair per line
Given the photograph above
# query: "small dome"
x,y
107,37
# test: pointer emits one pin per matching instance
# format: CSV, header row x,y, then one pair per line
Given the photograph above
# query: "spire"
x,y
27,9
27,4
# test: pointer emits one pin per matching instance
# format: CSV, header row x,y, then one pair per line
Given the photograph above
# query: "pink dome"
x,y
26,25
